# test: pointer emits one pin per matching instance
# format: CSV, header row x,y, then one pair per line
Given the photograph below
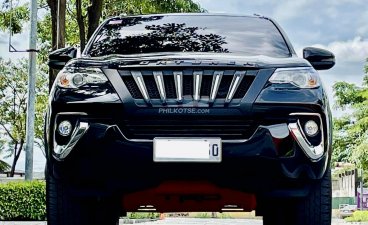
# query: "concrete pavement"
x,y
188,221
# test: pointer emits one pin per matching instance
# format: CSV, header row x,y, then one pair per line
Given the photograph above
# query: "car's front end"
x,y
180,131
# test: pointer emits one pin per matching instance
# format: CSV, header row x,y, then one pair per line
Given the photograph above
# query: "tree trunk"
x,y
17,151
80,21
53,4
61,23
94,15
53,10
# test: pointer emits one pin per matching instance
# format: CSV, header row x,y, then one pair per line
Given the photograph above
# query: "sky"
x,y
340,26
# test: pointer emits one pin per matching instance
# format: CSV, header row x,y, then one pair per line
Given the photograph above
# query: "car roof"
x,y
197,14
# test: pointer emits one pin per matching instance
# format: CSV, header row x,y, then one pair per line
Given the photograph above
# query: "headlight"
x,y
304,77
75,77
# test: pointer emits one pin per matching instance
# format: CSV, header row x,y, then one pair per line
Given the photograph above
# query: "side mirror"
x,y
319,58
58,58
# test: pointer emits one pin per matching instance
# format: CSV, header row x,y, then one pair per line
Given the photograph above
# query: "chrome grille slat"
x,y
216,80
178,77
197,77
138,78
160,85
237,78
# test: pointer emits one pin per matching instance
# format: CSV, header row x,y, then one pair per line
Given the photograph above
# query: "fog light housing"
x,y
65,128
311,128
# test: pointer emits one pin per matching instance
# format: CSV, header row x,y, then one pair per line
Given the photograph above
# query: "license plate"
x,y
187,150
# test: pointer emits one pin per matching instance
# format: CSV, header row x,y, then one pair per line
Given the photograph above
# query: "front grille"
x,y
226,129
188,84
132,87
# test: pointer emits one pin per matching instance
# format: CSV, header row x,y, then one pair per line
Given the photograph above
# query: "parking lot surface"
x,y
188,221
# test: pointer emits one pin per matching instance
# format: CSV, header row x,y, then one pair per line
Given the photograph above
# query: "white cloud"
x,y
354,50
362,24
344,2
290,9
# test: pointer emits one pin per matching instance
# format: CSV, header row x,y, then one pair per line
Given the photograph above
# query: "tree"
x,y
16,16
351,131
13,108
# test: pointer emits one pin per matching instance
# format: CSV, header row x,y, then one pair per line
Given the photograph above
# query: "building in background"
x,y
344,178
365,198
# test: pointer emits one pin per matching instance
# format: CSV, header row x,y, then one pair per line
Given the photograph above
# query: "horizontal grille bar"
x,y
225,129
195,85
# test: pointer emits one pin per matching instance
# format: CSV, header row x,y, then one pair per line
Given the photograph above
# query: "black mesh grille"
x,y
206,85
132,87
224,86
187,85
244,86
151,87
188,127
170,86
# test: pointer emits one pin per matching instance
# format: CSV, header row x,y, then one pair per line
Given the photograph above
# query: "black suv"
x,y
189,112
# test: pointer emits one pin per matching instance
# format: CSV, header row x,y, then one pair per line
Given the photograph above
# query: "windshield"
x,y
189,33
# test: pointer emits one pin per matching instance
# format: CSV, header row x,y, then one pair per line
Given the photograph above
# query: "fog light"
x,y
65,128
311,128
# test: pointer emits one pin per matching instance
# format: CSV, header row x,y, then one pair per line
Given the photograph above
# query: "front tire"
x,y
64,209
311,210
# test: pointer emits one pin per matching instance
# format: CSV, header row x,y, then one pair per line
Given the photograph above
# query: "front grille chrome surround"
x,y
188,86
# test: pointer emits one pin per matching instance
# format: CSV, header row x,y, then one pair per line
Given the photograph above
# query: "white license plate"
x,y
187,150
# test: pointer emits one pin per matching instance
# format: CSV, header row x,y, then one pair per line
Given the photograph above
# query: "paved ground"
x,y
189,221
192,221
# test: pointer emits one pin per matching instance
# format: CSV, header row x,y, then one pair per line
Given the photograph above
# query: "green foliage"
x,y
17,16
23,201
132,7
358,216
4,166
347,94
350,141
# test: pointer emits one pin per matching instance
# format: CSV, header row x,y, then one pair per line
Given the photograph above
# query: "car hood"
x,y
196,59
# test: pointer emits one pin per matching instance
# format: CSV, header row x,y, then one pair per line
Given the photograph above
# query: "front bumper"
x,y
100,157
